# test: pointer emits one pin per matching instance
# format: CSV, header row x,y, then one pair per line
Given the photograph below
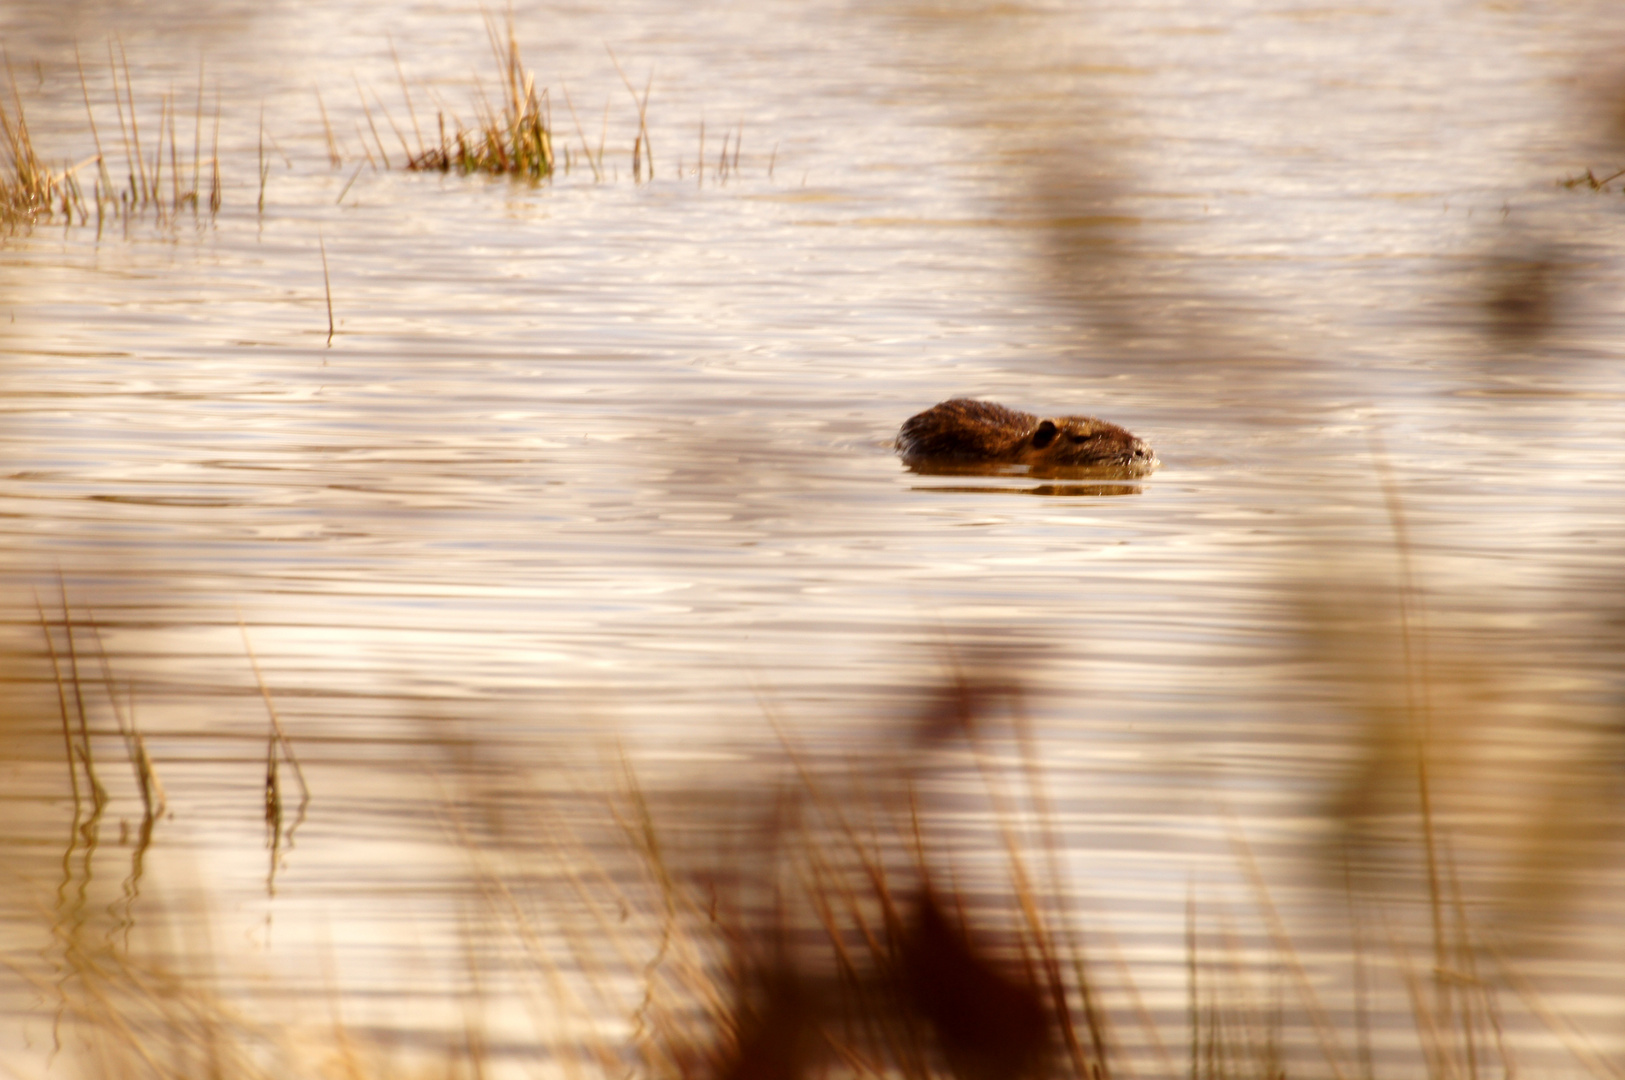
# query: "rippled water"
x,y
593,468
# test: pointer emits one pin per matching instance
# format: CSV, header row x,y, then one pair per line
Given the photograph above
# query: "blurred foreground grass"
x,y
905,912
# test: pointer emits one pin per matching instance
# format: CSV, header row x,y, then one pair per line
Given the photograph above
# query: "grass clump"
x,y
515,140
841,930
28,188
163,179
514,137
146,181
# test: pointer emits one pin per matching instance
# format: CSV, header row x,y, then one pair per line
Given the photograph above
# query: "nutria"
x,y
966,435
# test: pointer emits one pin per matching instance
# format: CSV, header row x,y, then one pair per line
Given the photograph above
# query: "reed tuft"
x,y
518,141
28,189
31,191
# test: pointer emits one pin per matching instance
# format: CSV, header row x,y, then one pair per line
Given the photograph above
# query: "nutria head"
x,y
963,435
1083,441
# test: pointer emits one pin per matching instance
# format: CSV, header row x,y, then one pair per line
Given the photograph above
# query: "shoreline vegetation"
x,y
167,174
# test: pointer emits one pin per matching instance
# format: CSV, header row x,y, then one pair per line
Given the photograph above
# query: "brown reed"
x,y
516,141
32,191
28,189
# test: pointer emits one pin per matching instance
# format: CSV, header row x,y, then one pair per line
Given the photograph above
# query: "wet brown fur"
x,y
963,433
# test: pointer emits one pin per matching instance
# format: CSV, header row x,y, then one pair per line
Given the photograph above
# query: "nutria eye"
x,y
1075,437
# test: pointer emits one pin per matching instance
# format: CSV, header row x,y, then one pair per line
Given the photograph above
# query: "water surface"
x,y
602,468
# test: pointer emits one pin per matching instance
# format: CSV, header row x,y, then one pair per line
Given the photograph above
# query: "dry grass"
x,y
832,929
165,181
159,168
28,188
515,139
517,136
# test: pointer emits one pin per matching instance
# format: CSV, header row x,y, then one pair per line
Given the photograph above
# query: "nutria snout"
x,y
963,434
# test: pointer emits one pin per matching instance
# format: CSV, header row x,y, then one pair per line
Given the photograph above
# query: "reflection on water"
x,y
560,672
1097,490
1087,481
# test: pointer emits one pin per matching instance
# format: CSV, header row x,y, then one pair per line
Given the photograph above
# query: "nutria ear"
x,y
1045,434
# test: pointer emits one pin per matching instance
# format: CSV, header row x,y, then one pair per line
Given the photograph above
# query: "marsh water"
x,y
593,477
